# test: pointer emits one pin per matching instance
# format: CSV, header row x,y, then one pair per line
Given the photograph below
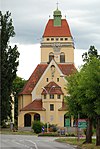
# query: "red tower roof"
x,y
57,31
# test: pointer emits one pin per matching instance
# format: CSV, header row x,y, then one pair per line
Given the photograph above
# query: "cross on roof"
x,y
57,5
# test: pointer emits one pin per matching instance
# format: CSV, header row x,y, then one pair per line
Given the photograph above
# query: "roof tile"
x,y
36,105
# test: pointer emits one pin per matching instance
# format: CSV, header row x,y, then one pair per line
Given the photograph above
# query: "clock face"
x,y
56,47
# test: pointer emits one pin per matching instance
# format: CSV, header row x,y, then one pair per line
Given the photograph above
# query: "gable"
x,y
40,72
34,78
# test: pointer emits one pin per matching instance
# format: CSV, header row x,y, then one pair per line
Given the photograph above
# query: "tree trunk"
x,y
89,131
98,131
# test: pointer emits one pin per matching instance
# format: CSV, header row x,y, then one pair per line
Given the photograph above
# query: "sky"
x,y
31,16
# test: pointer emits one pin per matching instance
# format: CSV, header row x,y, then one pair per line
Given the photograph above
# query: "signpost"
x,y
82,123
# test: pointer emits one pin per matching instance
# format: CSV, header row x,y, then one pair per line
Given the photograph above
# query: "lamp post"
x,y
48,92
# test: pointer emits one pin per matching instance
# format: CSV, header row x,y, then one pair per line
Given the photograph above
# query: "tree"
x,y
92,52
89,84
9,63
18,84
84,90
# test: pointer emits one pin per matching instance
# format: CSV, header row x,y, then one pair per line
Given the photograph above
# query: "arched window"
x,y
62,57
37,117
51,56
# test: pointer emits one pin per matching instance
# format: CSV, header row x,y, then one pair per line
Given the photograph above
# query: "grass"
x,y
79,144
9,132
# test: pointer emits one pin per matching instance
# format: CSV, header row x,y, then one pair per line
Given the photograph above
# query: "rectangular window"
x,y
47,79
57,39
61,39
51,107
44,96
52,38
66,38
58,96
51,96
47,39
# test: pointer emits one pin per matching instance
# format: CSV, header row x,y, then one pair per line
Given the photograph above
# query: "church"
x,y
42,97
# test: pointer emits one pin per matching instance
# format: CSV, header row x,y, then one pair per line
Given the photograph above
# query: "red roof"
x,y
36,105
66,69
36,75
57,31
52,88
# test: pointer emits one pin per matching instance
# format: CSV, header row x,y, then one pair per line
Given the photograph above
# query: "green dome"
x,y
57,13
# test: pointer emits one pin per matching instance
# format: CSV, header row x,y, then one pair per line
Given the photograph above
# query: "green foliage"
x,y
37,126
84,90
9,63
50,134
72,88
92,52
18,84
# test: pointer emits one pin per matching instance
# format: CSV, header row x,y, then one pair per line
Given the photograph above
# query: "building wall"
x,y
23,100
64,46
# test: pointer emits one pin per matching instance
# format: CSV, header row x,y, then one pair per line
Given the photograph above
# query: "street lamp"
x,y
48,92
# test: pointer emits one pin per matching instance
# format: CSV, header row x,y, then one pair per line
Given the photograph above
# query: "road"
x,y
30,142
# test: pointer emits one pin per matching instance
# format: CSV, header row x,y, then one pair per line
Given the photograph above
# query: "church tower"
x,y
42,98
57,41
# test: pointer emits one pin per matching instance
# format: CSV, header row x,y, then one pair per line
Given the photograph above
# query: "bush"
x,y
50,134
37,126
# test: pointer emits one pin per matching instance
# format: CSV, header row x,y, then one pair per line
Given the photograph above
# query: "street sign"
x,y
82,123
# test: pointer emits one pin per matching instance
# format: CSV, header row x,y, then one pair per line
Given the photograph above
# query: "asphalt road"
x,y
30,142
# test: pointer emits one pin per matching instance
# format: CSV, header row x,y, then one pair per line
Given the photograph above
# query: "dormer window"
x,y
62,57
51,96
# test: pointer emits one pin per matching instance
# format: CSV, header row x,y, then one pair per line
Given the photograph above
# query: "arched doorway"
x,y
36,117
27,120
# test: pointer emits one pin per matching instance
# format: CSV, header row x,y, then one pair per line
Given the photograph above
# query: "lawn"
x,y
79,143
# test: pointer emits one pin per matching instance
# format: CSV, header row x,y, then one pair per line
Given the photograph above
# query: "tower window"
x,y
52,39
57,39
51,107
66,38
48,39
61,39
62,58
51,56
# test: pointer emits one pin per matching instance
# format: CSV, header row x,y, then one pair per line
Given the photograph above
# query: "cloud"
x,y
30,18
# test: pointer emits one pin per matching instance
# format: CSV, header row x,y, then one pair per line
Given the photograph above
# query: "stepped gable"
x,y
67,69
36,105
52,88
57,31
36,75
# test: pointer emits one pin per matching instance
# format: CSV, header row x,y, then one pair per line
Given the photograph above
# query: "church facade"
x,y
42,97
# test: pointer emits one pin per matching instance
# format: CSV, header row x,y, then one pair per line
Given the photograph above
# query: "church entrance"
x,y
36,117
27,120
